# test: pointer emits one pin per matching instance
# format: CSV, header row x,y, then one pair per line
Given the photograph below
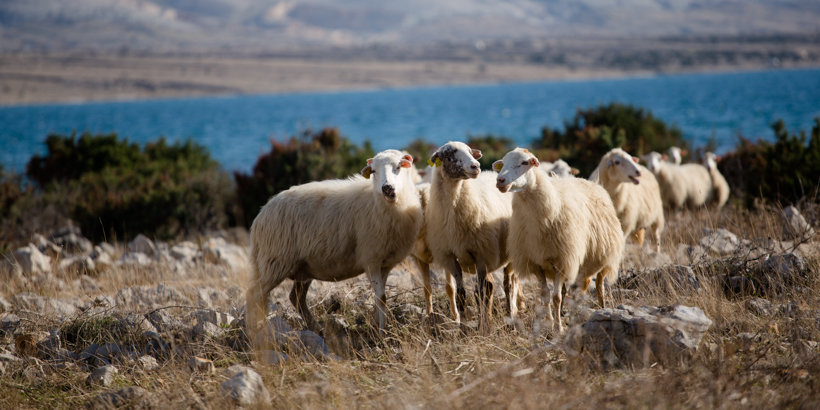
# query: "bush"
x,y
783,172
595,131
304,158
492,148
112,188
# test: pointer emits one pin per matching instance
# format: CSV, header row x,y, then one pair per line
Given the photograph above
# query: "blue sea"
x,y
238,128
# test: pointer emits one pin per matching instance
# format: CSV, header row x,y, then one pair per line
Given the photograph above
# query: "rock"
x,y
208,330
103,376
690,255
147,363
134,259
212,316
217,251
631,336
77,264
155,346
737,285
9,358
187,252
108,351
102,259
88,353
71,240
128,397
720,241
142,244
5,306
164,322
794,225
272,358
43,305
45,246
148,297
137,324
200,365
273,332
245,388
779,272
307,342
64,355
30,260
105,247
784,265
409,312
401,279
212,298
34,373
8,324
761,307
89,285
50,345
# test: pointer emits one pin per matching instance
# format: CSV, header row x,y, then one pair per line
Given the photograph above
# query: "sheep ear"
x,y
435,160
683,152
534,162
575,171
664,157
635,159
498,165
369,161
406,164
409,158
476,153
366,171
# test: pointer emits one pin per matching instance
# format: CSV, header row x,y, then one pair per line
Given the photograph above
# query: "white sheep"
x,y
688,184
559,168
634,192
719,185
423,258
563,229
335,230
467,221
675,155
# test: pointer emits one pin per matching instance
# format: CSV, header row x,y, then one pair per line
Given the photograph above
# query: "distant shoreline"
x,y
27,80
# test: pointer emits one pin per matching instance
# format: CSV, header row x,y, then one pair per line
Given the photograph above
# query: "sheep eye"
x,y
617,162
525,163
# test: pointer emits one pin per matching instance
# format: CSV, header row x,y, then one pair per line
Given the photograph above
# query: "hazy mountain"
x,y
257,24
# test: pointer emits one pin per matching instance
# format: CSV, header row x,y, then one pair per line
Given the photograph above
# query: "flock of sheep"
x,y
527,217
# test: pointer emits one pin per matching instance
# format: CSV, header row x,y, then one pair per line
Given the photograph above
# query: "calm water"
x,y
237,129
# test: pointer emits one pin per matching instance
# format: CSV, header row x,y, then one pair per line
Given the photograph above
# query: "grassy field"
x,y
745,360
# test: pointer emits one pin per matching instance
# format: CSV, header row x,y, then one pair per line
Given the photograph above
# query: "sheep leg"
x,y
511,289
639,236
424,271
451,296
453,269
656,235
485,295
544,308
557,302
258,294
298,297
378,279
600,285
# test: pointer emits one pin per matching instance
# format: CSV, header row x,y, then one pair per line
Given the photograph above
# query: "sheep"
x,y
719,184
560,168
562,229
688,184
422,257
335,230
467,222
634,192
415,175
675,155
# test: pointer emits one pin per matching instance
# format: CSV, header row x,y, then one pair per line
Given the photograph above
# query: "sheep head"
x,y
653,161
457,161
389,171
676,155
513,170
710,161
622,167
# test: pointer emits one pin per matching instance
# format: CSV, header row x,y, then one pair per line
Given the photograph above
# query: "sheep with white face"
x,y
561,229
719,184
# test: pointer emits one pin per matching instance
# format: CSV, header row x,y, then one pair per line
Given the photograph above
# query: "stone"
x,y
142,244
273,332
720,241
218,251
245,388
103,376
30,260
272,358
208,330
155,346
5,306
77,264
689,255
212,316
108,351
8,324
308,342
149,297
102,259
737,285
761,307
200,365
64,355
45,246
134,259
128,397
401,279
631,336
87,355
44,305
147,363
795,226
136,323
212,298
105,247
164,322
784,265
187,252
71,240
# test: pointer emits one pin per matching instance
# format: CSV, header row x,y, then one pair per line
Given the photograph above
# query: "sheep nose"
x,y
501,180
474,167
389,191
638,173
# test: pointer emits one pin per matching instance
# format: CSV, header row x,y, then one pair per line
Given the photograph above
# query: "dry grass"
x,y
430,363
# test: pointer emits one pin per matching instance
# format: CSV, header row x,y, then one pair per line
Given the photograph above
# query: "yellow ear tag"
x,y
438,162
430,163
367,174
498,166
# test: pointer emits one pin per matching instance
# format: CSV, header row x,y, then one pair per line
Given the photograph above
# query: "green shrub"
x,y
783,171
595,131
304,158
112,188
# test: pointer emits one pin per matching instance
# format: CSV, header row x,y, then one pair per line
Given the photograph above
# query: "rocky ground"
x,y
726,316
